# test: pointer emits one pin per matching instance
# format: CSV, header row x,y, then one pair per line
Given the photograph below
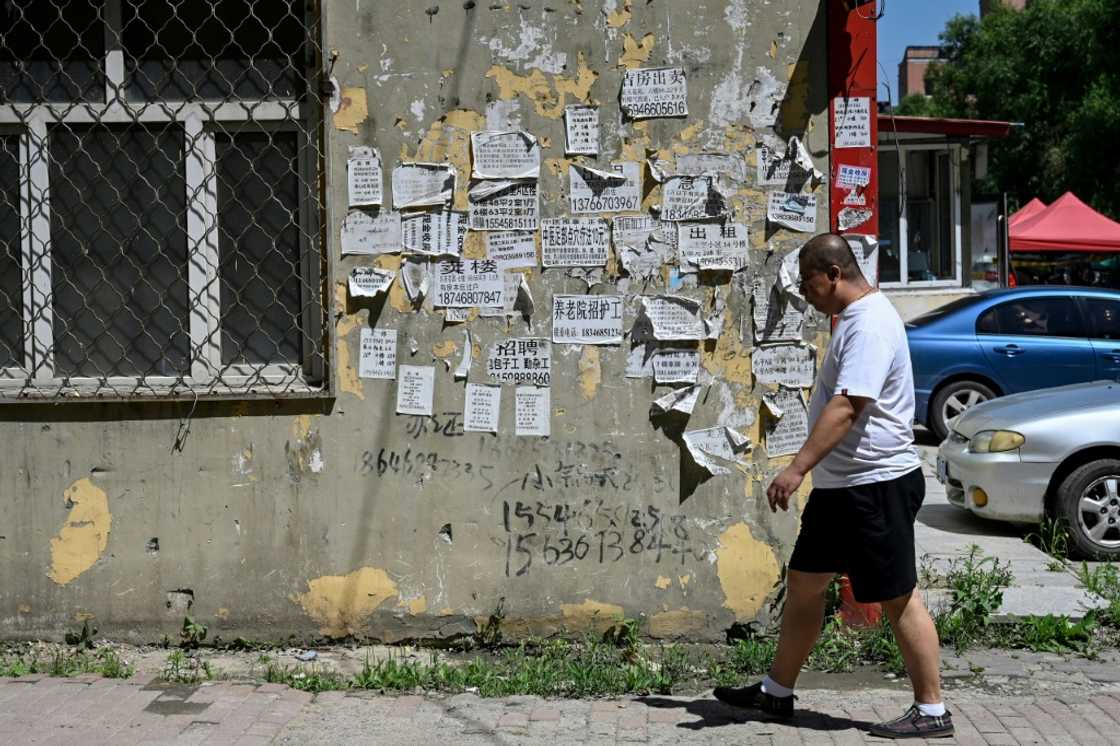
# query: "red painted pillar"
x,y
853,135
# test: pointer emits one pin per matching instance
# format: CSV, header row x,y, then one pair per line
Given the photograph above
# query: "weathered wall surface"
x,y
341,517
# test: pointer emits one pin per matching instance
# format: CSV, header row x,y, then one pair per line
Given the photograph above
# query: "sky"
x,y
912,23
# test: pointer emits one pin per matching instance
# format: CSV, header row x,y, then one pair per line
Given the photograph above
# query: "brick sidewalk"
x,y
37,709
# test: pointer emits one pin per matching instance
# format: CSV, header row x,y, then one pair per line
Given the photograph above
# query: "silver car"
x,y
1048,452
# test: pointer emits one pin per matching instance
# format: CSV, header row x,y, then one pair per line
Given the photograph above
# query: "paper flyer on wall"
x,y
455,315
363,233
775,318
416,274
533,411
852,117
681,400
581,129
732,167
797,212
505,155
792,365
866,250
633,238
691,198
712,246
439,233
717,449
511,290
363,176
521,360
512,249
504,206
467,282
463,369
377,353
367,282
482,408
853,176
587,319
654,92
415,389
676,366
794,166
594,190
852,217
673,317
790,427
575,242
423,185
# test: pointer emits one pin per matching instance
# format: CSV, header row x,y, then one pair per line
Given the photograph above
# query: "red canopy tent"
x,y
1067,225
1028,210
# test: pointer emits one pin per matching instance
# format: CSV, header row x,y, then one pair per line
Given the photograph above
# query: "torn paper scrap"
x,y
852,217
673,317
423,185
713,323
764,99
367,282
641,245
533,411
790,426
802,161
797,212
505,155
467,282
439,233
417,276
524,302
866,249
575,242
853,176
581,128
639,360
776,318
794,166
363,233
717,449
691,198
463,369
654,92
455,315
512,249
712,246
504,206
676,366
792,365
587,319
363,176
593,190
732,167
482,408
521,360
415,388
852,118
789,279
678,400
377,353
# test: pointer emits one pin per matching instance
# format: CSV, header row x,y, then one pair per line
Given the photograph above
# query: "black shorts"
x,y
866,532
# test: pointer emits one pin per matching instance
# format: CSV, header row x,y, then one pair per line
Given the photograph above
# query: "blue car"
x,y
1007,341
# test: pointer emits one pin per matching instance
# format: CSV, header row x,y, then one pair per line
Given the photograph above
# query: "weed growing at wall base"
x,y
55,661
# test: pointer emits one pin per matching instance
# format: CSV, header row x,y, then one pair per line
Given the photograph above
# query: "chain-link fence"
x,y
160,199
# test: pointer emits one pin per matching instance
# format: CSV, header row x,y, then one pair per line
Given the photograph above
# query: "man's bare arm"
x,y
835,421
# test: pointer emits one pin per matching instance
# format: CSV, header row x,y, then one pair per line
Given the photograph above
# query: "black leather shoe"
x,y
913,724
753,698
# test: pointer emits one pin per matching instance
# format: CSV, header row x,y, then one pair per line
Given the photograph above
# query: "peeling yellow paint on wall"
x,y
747,570
449,139
591,616
222,613
301,427
677,623
352,110
446,348
348,380
85,534
24,608
341,604
548,93
620,17
729,360
416,605
474,245
683,580
663,582
590,372
636,53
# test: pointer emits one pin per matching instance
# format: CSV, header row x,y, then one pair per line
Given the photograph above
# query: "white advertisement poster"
x,y
792,365
415,389
654,92
789,428
575,242
676,366
691,198
713,246
674,318
423,185
508,206
717,449
364,177
512,249
505,155
482,408
467,282
592,190
853,176
681,400
439,233
853,121
377,356
798,212
367,282
521,360
533,411
775,317
371,235
587,319
581,128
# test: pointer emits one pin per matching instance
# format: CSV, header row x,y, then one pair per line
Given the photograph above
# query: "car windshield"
x,y
942,311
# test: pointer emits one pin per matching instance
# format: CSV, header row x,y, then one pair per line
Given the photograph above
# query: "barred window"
x,y
159,199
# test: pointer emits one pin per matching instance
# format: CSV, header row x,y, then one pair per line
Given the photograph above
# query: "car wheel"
x,y
1089,500
953,400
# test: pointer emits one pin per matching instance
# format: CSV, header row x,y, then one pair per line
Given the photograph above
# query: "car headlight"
x,y
995,441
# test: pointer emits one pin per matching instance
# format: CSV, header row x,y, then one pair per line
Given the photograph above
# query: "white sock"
x,y
774,689
932,711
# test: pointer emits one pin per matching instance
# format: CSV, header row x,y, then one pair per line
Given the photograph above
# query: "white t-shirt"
x,y
868,357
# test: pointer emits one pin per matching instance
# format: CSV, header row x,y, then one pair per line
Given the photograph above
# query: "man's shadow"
x,y
715,714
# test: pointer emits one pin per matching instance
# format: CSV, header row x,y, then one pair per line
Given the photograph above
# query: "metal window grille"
x,y
160,199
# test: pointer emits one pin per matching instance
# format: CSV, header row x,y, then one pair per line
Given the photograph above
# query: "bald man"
x,y
867,489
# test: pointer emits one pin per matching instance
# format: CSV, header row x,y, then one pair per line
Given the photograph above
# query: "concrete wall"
x,y
337,517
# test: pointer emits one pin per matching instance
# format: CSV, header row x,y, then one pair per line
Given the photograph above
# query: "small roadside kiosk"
x,y
1065,243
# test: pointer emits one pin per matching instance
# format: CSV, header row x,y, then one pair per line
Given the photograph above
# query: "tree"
x,y
915,105
1054,67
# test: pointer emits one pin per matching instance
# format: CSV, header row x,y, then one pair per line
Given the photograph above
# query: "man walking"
x,y
867,489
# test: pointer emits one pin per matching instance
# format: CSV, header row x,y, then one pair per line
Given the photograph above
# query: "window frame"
x,y
1084,302
201,120
957,230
